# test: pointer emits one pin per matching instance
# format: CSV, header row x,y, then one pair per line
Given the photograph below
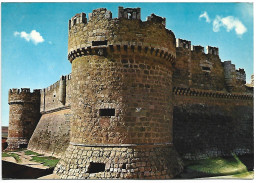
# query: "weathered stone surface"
x,y
135,92
52,134
112,170
24,114
210,127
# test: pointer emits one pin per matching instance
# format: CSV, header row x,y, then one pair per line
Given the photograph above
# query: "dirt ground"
x,y
25,160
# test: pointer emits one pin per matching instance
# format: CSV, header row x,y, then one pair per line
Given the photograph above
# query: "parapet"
x,y
77,19
156,19
197,48
212,50
183,43
23,90
96,12
241,75
129,13
23,95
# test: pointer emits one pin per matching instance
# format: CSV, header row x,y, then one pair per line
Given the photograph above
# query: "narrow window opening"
x,y
96,167
98,43
124,166
206,68
107,112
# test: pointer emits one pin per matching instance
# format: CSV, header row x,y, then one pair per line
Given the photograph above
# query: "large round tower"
x,y
24,114
121,124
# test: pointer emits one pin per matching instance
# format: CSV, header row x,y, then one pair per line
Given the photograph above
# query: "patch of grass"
x,y
4,154
47,161
15,156
217,166
28,152
246,175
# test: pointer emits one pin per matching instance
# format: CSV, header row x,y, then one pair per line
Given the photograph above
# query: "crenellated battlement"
x,y
129,13
241,75
56,84
197,48
77,19
102,32
101,13
23,95
181,43
212,50
156,19
23,90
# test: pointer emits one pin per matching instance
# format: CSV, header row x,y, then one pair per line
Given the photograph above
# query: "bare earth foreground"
x,y
26,159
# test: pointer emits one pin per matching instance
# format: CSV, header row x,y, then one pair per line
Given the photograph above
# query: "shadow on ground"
x,y
16,171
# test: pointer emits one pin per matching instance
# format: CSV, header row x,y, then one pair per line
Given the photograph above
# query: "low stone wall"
x,y
52,134
139,162
210,127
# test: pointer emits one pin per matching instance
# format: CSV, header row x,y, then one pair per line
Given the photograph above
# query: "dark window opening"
x,y
206,68
98,43
23,145
96,167
107,112
54,95
124,166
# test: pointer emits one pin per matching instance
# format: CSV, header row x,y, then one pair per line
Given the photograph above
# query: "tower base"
x,y
134,162
16,143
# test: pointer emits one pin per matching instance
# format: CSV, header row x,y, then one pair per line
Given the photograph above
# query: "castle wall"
x,y
56,96
209,125
51,136
195,69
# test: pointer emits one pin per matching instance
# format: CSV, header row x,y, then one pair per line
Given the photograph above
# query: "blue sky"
x,y
34,37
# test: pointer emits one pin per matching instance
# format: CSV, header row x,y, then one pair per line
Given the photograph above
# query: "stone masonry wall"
x,y
212,126
195,69
56,96
52,134
121,95
143,162
24,115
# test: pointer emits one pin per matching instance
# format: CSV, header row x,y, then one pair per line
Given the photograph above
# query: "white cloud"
x,y
34,36
206,16
229,23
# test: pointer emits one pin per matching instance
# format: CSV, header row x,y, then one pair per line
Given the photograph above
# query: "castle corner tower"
x,y
24,114
121,103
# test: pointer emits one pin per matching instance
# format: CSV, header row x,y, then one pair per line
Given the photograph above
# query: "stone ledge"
x,y
201,93
102,51
121,145
56,109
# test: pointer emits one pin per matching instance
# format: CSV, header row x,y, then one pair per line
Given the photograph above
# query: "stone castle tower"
x,y
24,116
121,105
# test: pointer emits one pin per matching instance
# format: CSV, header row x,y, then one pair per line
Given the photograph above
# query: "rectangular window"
x,y
98,43
107,112
206,68
96,167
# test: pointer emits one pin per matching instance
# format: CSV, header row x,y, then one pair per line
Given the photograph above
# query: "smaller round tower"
x,y
24,114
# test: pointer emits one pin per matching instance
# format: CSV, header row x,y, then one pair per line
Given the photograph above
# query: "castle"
x,y
137,102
